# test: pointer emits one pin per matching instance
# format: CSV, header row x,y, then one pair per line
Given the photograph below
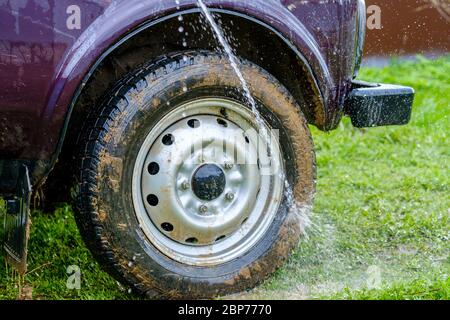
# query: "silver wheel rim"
x,y
196,231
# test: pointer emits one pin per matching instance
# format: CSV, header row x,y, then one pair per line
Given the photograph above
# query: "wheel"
x,y
177,195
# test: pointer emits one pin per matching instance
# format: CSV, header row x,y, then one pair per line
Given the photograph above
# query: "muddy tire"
x,y
168,230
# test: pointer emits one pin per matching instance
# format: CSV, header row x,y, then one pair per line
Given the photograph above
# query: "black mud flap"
x,y
375,104
17,223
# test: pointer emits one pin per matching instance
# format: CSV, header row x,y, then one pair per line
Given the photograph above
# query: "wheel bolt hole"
x,y
244,221
222,122
192,240
167,227
152,200
220,238
247,140
168,139
194,123
153,168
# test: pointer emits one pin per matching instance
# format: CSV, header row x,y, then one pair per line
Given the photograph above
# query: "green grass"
x,y
381,219
412,290
55,244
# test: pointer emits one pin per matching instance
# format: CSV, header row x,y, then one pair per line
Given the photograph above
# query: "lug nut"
x,y
203,209
185,185
229,196
228,166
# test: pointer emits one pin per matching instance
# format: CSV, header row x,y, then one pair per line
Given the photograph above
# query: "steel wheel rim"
x,y
174,219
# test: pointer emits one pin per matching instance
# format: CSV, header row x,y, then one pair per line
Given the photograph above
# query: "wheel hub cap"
x,y
208,182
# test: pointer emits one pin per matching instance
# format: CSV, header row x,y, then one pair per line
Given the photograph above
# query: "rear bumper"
x,y
373,105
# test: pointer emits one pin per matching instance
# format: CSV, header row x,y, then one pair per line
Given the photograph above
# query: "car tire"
x,y
113,209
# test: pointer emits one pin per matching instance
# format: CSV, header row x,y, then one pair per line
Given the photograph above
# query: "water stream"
x,y
235,65
301,210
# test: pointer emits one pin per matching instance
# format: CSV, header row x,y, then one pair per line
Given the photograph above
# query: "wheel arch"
x,y
294,70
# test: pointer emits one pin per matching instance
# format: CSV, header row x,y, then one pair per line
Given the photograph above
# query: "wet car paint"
x,y
43,62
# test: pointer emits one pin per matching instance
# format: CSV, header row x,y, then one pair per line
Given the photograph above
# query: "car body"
x,y
44,65
52,53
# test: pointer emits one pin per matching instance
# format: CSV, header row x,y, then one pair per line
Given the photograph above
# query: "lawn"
x,y
381,226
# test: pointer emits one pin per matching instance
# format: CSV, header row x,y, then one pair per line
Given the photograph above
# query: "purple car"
x,y
178,129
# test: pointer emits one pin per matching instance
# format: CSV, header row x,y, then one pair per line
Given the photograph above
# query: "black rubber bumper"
x,y
374,105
